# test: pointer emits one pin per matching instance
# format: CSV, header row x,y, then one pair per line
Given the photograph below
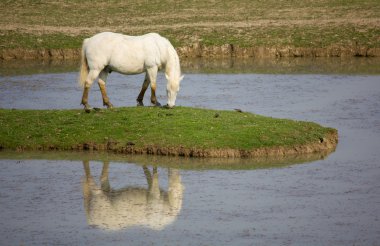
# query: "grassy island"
x,y
182,131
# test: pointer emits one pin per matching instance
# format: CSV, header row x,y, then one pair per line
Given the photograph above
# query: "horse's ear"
x,y
181,78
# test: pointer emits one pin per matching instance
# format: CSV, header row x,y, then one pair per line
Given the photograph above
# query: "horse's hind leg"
x,y
102,85
89,80
140,97
86,89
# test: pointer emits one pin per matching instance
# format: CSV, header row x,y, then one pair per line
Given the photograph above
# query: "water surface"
x,y
332,200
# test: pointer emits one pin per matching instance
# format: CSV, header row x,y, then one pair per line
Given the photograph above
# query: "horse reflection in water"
x,y
131,206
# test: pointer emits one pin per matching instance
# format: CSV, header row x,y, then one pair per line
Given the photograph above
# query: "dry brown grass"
x,y
245,23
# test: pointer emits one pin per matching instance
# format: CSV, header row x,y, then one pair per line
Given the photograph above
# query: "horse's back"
x,y
108,40
127,54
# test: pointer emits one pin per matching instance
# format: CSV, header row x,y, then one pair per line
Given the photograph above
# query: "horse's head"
x,y
172,88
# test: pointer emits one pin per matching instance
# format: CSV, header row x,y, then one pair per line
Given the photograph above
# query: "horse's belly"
x,y
127,68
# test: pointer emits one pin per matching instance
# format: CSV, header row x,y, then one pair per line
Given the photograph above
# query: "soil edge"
x,y
199,50
322,145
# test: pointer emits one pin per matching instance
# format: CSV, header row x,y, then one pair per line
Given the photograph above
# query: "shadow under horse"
x,y
149,207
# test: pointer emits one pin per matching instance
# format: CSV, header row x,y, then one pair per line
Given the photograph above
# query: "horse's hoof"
x,y
108,104
140,104
157,104
87,107
167,106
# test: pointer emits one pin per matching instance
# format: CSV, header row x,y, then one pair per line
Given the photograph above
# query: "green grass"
x,y
247,23
14,39
151,126
306,36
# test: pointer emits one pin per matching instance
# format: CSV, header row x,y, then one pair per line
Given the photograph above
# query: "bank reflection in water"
x,y
116,209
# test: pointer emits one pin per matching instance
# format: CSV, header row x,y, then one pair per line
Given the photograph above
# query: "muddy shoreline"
x,y
199,50
323,145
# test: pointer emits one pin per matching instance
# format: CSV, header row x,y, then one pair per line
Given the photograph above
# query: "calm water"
x,y
87,199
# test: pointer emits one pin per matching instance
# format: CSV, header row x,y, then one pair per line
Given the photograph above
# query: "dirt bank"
x,y
199,50
325,145
33,54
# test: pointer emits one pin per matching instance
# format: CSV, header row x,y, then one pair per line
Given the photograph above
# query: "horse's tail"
x,y
83,67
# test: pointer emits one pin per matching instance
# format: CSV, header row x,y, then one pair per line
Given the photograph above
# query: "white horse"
x,y
106,52
116,209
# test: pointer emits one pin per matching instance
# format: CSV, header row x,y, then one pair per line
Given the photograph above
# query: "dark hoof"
x,y
140,104
109,105
167,106
157,104
87,107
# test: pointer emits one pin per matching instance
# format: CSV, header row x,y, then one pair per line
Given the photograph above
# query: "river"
x,y
84,198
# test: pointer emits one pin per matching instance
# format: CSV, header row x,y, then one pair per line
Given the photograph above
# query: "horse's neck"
x,y
172,63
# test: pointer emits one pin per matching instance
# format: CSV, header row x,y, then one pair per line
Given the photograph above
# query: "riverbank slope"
x,y
44,29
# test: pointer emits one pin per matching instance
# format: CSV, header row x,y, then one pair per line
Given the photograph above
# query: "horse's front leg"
x,y
154,191
152,73
104,181
140,97
102,85
153,98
